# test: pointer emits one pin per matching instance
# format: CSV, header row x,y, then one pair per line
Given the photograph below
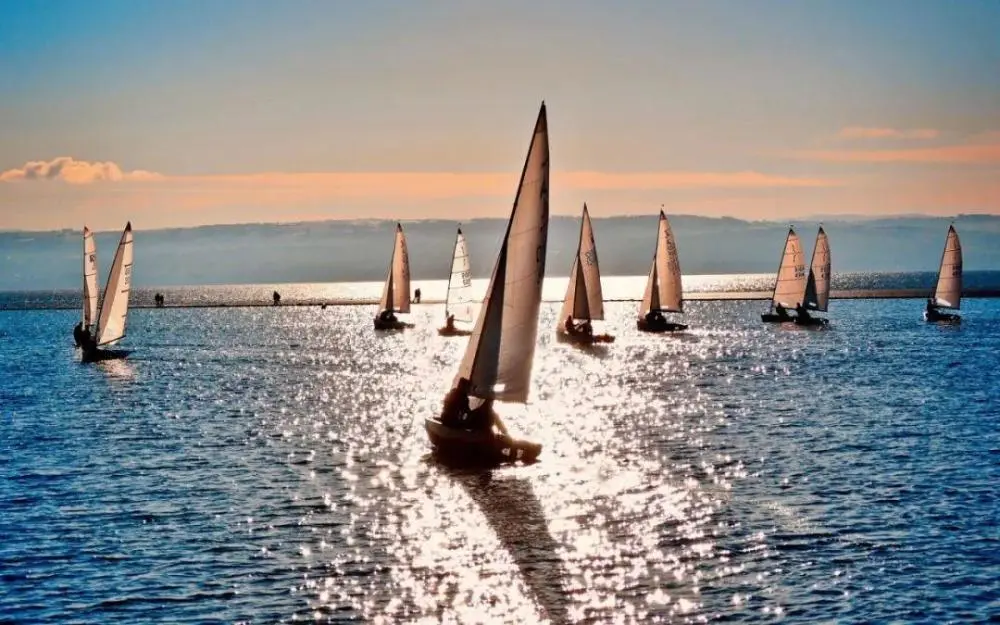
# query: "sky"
x,y
182,112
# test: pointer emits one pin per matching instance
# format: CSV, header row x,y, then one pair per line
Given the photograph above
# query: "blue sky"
x,y
182,112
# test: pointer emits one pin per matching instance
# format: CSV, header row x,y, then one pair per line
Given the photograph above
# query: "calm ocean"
x,y
268,465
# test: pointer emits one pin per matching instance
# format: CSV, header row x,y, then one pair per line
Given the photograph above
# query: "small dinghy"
x,y
396,292
584,301
817,293
498,358
790,283
111,321
948,292
663,288
458,302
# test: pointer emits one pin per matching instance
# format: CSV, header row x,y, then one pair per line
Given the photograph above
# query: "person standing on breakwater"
x,y
416,296
277,298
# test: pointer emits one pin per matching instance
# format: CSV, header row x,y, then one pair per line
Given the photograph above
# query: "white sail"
x,y
459,299
817,295
114,304
791,281
584,299
948,293
663,288
396,292
89,279
502,346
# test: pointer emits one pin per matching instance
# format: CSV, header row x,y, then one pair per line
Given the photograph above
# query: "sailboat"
x,y
948,292
791,281
458,302
396,292
584,300
111,320
663,288
89,315
817,292
498,358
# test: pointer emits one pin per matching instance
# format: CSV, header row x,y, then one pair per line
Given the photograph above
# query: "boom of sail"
x,y
791,281
89,279
114,304
948,292
501,349
584,299
817,293
396,292
459,299
663,288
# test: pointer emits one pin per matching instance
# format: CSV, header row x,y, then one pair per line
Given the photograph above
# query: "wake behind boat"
x,y
396,292
817,292
948,291
498,358
111,322
584,301
790,283
663,288
458,302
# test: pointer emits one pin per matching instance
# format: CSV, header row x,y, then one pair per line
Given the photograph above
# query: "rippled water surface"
x,y
269,465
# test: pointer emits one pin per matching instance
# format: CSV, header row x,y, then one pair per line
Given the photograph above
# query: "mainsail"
x,y
89,279
663,288
948,293
114,304
501,349
584,299
396,292
817,294
459,299
791,281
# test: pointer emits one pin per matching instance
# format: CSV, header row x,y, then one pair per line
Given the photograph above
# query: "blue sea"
x,y
269,465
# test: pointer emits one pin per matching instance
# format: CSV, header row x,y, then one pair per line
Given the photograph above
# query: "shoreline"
x,y
691,297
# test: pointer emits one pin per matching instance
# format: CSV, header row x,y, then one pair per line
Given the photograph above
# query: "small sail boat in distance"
x,y
791,280
458,301
89,316
111,321
396,292
948,291
663,288
584,299
498,357
817,292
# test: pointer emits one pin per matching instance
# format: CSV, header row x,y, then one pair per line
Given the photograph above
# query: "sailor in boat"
x,y
655,319
88,344
457,412
581,329
449,323
387,318
802,312
782,312
932,311
79,334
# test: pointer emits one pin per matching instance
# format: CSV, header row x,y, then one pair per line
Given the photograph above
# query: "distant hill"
x,y
343,251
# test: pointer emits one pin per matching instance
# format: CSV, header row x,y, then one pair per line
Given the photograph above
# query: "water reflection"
x,y
515,514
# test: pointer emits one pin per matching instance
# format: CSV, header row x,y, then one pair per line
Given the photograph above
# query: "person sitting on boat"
x,y
585,328
781,311
449,323
932,310
79,334
88,344
569,326
802,312
386,317
655,319
457,412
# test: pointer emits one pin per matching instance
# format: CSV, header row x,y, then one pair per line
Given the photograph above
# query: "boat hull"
x,y
392,326
98,355
668,326
454,332
811,322
942,318
477,447
773,318
583,339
